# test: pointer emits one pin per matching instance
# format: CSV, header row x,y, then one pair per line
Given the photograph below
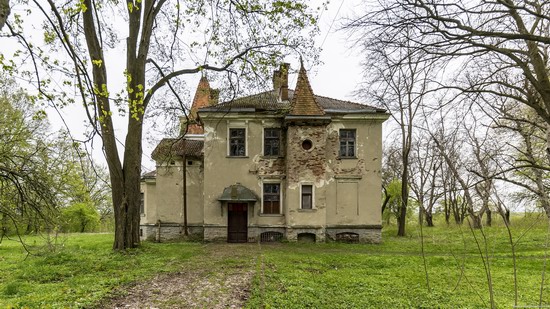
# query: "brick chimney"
x,y
283,92
280,81
276,80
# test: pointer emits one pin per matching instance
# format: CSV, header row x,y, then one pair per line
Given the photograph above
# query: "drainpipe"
x,y
185,232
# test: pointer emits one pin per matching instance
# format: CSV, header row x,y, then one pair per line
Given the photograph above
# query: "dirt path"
x,y
220,278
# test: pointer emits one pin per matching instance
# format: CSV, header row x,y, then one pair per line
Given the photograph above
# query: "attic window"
x,y
307,144
189,162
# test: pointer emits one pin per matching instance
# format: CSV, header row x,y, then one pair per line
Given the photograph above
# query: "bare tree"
x,y
425,166
397,78
164,40
526,166
512,35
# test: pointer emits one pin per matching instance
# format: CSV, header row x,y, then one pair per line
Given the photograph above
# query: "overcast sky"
x,y
337,76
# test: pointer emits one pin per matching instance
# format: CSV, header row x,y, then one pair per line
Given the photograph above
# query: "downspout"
x,y
185,232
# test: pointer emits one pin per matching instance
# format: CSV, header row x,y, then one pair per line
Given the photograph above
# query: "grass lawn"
x,y
391,275
82,271
296,275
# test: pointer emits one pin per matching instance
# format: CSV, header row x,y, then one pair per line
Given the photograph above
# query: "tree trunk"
x,y
4,12
429,219
402,219
489,219
476,221
386,200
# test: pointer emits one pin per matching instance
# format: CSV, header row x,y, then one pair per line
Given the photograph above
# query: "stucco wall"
x,y
346,191
164,195
306,167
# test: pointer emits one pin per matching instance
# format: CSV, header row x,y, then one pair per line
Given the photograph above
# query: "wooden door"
x,y
237,222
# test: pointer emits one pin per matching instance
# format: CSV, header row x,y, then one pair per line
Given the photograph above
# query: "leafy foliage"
x,y
164,40
27,165
80,217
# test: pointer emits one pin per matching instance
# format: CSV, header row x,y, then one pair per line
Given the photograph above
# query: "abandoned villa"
x,y
281,164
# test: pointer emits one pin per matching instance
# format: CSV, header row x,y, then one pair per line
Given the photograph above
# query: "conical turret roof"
x,y
201,99
304,102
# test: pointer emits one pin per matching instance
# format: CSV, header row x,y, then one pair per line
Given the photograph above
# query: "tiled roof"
x,y
202,99
177,147
303,101
151,174
268,101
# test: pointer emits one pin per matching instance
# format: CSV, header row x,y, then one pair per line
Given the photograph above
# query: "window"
x,y
237,142
272,142
307,144
347,143
142,203
272,198
307,197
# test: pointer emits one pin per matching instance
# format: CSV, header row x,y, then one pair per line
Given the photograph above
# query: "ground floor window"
x,y
272,198
307,197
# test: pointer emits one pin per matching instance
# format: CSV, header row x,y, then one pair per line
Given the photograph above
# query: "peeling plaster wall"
x,y
306,167
346,191
353,193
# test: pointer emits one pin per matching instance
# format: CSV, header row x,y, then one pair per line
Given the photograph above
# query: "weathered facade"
x,y
278,164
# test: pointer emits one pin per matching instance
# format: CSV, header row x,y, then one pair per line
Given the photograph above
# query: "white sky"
x,y
337,77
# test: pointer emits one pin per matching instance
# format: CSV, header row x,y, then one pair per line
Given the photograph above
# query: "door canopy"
x,y
237,193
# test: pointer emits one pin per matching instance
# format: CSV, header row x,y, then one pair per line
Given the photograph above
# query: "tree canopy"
x,y
158,42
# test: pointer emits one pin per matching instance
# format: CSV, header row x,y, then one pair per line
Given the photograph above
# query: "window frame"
x,y
245,141
278,139
311,196
280,197
347,140
142,203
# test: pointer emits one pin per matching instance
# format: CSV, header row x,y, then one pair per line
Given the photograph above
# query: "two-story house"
x,y
278,164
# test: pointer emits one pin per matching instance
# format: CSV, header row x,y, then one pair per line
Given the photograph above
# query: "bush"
x,y
79,217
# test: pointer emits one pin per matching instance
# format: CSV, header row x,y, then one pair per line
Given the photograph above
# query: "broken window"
x,y
237,142
307,197
347,143
272,198
272,142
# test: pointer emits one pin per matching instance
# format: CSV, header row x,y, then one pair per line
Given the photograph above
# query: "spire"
x,y
202,99
303,102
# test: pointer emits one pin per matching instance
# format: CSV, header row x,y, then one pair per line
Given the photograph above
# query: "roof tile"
x,y
303,101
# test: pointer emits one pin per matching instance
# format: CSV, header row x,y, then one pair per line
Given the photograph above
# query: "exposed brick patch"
x,y
308,165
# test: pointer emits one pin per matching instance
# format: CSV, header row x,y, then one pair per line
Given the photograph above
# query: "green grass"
x,y
294,275
81,271
391,275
